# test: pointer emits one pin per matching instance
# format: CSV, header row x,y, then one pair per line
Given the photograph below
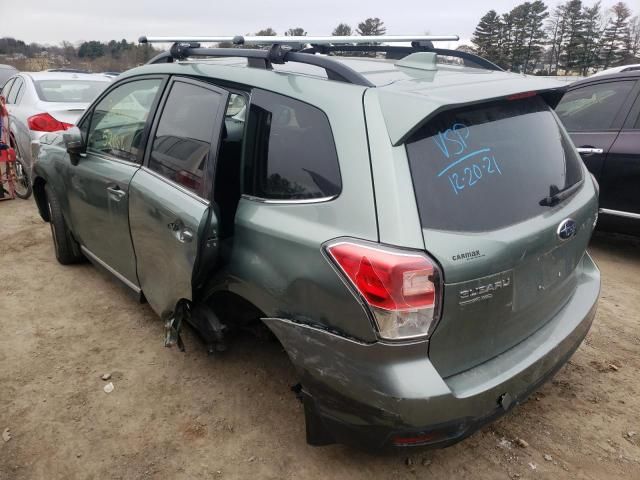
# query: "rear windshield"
x,y
486,167
69,91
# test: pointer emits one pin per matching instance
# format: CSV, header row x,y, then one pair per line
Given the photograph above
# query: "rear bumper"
x,y
382,395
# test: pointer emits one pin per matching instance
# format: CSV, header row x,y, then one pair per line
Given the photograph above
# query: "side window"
x,y
15,90
183,138
7,87
593,107
291,152
118,120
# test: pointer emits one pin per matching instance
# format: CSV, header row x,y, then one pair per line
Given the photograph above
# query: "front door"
x,y
593,114
98,187
173,222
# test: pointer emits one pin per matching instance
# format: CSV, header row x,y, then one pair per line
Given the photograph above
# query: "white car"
x,y
623,68
42,102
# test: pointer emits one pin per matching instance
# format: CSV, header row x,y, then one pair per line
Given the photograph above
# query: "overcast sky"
x,y
48,21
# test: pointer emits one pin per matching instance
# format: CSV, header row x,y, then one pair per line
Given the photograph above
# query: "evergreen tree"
x,y
574,27
535,35
615,40
590,38
296,32
371,27
267,32
342,30
486,37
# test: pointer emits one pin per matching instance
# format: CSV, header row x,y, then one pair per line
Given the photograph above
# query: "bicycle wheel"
x,y
22,181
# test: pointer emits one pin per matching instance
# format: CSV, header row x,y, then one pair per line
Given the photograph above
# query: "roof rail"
x,y
265,59
470,59
286,40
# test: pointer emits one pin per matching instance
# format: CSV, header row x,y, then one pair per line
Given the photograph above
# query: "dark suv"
x,y
602,115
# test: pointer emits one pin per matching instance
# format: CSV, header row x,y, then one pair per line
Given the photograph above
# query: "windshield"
x,y
69,91
489,166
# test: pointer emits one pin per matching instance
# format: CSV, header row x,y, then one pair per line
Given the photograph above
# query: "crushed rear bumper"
x,y
383,395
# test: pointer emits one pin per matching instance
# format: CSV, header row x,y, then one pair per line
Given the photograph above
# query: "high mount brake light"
x,y
402,288
520,96
43,122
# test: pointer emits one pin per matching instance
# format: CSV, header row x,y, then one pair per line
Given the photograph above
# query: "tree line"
x,y
573,38
119,55
115,55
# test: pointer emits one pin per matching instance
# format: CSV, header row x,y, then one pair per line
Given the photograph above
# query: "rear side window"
x,y
291,152
69,91
183,138
593,107
487,167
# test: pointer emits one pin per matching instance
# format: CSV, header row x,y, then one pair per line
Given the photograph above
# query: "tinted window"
x,y
15,90
291,150
183,138
118,120
593,107
487,167
70,91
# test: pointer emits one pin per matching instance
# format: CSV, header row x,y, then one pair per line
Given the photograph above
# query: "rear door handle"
x,y
589,150
116,192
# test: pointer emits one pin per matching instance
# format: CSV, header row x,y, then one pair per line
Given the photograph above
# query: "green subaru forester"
x,y
414,233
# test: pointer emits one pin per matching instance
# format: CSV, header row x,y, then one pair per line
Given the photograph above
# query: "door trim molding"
x,y
620,213
104,265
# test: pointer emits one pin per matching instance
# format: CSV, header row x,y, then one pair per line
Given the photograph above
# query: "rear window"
x,y
69,91
486,167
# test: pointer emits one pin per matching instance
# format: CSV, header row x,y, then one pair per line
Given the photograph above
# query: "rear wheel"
x,y
66,248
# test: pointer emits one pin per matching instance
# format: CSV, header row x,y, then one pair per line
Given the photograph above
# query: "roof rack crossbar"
x,y
267,40
335,70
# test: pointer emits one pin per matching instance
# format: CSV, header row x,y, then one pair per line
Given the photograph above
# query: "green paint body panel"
x,y
364,390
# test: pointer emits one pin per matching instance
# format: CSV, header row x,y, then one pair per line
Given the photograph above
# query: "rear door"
x,y
174,225
593,114
621,176
483,177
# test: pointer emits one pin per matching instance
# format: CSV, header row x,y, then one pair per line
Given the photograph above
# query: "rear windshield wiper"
x,y
556,195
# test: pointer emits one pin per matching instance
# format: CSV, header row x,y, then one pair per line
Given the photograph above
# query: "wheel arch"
x,y
40,196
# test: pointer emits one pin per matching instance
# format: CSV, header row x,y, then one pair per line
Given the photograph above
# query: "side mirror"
x,y
75,145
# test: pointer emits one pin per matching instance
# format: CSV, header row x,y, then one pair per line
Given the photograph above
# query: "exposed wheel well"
x,y
233,308
40,196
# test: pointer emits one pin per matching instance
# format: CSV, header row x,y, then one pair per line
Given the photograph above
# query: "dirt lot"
x,y
175,415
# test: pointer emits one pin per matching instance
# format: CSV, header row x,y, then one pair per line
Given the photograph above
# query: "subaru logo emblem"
x,y
567,229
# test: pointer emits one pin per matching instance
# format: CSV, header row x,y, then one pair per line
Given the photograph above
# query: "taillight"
x,y
520,96
43,122
402,288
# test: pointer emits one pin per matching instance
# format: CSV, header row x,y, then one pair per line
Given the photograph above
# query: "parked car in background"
x,y
620,69
42,102
6,72
421,258
602,115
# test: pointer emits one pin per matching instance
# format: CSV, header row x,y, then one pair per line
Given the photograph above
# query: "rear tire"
x,y
66,248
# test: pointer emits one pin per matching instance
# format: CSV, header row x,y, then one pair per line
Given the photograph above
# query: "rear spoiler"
x,y
406,111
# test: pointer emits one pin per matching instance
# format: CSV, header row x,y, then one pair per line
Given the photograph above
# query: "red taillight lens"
x,y
43,122
401,287
520,96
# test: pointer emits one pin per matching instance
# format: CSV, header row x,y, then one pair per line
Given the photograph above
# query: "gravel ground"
x,y
189,415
